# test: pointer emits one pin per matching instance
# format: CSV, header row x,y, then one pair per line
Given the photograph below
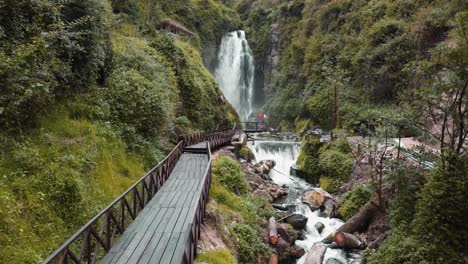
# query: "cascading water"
x,y
285,153
235,72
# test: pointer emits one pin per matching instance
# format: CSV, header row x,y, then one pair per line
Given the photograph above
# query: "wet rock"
x,y
277,192
297,221
280,207
263,169
296,252
285,207
264,166
328,239
333,245
328,208
315,198
334,261
319,226
301,236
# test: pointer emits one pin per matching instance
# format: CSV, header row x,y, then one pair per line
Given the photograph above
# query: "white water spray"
x,y
235,72
285,155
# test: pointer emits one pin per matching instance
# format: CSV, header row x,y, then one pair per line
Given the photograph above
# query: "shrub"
x,y
308,159
249,245
330,185
353,201
230,175
335,165
138,103
216,256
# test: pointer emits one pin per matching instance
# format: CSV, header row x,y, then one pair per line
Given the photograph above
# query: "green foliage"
x,y
252,210
365,44
330,185
216,256
308,159
48,49
198,90
331,163
353,201
336,165
249,245
56,180
433,229
230,175
440,212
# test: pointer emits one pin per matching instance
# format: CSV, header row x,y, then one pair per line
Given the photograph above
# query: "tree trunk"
x,y
346,240
316,253
360,221
273,259
273,231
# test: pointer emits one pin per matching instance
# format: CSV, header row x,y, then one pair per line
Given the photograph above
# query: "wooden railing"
x,y
254,126
92,241
215,138
194,229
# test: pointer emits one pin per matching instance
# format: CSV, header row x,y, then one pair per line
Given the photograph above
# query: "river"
x,y
285,153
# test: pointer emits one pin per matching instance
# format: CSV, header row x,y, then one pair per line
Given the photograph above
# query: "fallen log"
x,y
273,259
360,221
273,231
316,253
346,240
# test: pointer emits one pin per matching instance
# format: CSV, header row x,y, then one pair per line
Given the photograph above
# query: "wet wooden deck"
x,y
159,233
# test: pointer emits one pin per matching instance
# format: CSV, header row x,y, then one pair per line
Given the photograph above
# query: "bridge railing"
x,y
96,237
254,126
92,241
215,138
194,229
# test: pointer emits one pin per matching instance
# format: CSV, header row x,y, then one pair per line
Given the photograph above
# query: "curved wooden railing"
x,y
215,138
92,241
254,126
194,230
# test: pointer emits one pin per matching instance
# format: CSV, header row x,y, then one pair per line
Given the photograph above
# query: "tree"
x,y
441,96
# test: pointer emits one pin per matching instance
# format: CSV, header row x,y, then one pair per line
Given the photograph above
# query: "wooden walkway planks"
x,y
159,234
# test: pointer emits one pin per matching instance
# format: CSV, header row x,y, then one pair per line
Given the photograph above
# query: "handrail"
x,y
98,234
254,125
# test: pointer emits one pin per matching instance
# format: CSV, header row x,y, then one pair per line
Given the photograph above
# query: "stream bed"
x,y
285,153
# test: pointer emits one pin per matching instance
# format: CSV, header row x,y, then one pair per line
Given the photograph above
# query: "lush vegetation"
x,y
380,69
92,94
331,163
241,208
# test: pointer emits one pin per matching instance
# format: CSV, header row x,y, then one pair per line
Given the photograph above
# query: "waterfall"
x,y
235,72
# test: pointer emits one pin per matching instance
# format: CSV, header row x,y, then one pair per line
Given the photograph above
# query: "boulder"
x,y
263,169
296,252
328,208
297,221
315,198
277,192
334,261
280,207
319,226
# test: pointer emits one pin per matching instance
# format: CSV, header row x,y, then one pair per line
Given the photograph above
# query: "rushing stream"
x,y
235,72
285,153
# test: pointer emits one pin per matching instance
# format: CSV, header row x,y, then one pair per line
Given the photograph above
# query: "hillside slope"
x,y
93,93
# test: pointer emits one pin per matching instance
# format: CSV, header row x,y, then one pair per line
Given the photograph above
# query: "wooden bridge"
x,y
157,220
254,127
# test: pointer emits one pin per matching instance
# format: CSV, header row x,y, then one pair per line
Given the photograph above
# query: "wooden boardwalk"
x,y
156,220
159,234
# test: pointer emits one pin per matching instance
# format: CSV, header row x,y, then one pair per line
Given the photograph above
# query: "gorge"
x,y
368,98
